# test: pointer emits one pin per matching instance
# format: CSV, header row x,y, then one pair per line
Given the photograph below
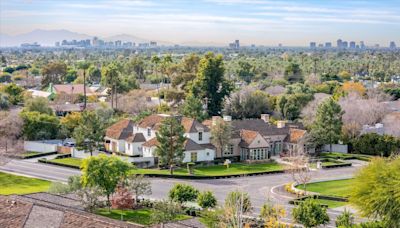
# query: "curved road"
x,y
258,187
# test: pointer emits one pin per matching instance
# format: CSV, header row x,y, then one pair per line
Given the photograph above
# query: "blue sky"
x,y
211,21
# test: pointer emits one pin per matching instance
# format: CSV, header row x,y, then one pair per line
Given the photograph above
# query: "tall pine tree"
x,y
327,126
210,83
170,148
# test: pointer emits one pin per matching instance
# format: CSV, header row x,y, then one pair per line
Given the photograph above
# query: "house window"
x,y
193,157
228,150
148,132
129,146
200,136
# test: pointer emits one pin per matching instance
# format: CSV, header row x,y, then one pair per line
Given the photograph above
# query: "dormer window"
x,y
148,132
200,136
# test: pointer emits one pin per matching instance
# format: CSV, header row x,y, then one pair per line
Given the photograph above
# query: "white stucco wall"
x,y
202,155
195,137
133,148
149,151
144,132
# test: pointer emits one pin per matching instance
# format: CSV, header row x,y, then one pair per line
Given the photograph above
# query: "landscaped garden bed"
x,y
140,216
343,156
13,184
236,169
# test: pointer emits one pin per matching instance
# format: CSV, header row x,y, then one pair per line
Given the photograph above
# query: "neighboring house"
x,y
38,93
70,89
64,109
140,139
257,139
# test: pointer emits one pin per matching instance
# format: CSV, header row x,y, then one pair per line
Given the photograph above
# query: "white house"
x,y
140,139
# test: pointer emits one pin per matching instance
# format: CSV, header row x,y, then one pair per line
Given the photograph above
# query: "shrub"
x,y
236,198
374,144
346,219
183,193
122,199
206,199
165,211
310,213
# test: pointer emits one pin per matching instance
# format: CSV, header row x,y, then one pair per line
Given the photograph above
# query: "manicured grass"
x,y
340,188
68,161
140,216
12,184
219,170
336,155
213,170
331,203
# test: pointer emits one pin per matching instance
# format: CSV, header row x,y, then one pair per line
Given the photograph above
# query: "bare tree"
x,y
10,131
310,110
359,111
134,102
298,167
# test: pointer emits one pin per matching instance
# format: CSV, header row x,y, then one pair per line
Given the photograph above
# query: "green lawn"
x,y
331,203
29,153
12,184
340,188
214,170
68,161
140,216
219,170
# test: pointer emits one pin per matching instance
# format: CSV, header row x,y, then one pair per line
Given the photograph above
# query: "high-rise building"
x,y
362,45
339,43
352,44
320,45
313,45
392,45
345,44
328,44
118,43
95,41
235,45
153,44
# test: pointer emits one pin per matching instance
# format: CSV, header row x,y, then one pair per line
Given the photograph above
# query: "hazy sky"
x,y
211,21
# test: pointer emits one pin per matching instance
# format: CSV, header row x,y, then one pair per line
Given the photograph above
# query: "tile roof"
x,y
247,137
120,130
152,142
154,122
72,89
191,145
138,137
295,135
258,125
47,210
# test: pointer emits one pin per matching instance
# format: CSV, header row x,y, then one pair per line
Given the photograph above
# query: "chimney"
x,y
227,118
265,117
280,124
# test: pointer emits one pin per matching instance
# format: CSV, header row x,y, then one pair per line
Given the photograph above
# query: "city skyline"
x,y
212,21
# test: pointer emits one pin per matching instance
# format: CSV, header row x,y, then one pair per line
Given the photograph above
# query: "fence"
x,y
40,146
335,148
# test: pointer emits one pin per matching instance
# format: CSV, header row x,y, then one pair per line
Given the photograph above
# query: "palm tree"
x,y
84,66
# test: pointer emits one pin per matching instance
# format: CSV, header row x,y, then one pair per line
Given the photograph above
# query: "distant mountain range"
x,y
50,37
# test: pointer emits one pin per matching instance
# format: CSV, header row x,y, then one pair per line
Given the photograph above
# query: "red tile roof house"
x,y
252,139
140,138
71,89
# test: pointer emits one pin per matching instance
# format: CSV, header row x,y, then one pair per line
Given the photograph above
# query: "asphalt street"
x,y
260,187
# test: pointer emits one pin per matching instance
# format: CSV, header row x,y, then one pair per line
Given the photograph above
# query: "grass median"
x,y
13,184
212,170
339,188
